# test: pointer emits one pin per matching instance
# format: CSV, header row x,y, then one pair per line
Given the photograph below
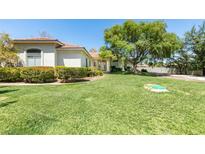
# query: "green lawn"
x,y
116,104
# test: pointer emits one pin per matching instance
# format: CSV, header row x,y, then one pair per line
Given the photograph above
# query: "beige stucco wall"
x,y
71,58
52,57
83,59
48,52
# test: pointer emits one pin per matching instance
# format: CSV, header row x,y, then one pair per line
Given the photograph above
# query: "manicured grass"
x,y
117,104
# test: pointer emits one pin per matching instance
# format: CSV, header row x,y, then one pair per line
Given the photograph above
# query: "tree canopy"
x,y
105,53
195,43
182,61
135,41
8,56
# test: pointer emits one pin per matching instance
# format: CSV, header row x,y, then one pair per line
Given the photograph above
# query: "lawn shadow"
x,y
78,80
138,73
121,73
7,103
3,86
146,74
7,91
152,74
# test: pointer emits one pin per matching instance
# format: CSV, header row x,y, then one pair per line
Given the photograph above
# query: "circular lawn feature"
x,y
155,88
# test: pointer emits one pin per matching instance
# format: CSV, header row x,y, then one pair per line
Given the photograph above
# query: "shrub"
x,y
46,74
72,73
99,73
68,73
116,69
128,68
91,71
38,74
144,70
11,74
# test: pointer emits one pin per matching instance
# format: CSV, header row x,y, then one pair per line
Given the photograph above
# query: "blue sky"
x,y
88,33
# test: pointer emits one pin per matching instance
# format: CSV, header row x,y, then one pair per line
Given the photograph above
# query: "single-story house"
x,y
52,52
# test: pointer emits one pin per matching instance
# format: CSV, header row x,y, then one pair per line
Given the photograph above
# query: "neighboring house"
x,y
98,62
52,52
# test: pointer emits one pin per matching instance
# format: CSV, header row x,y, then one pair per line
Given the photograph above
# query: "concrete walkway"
x,y
186,77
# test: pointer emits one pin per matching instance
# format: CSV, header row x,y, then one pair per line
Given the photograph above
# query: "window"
x,y
34,57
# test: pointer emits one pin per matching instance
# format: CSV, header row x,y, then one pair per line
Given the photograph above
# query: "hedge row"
x,y
38,74
46,74
10,74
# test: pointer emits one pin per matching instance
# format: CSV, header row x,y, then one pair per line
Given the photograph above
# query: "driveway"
x,y
186,77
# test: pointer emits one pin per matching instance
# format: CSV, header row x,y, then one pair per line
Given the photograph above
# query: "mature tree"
x,y
8,56
195,42
105,53
135,41
182,61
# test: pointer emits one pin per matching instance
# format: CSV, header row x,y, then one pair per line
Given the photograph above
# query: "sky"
x,y
85,32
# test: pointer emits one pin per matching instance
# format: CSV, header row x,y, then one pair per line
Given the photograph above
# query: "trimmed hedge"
x,y
10,74
93,72
71,73
38,74
46,74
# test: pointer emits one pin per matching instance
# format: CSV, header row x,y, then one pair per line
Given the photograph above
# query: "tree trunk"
x,y
185,71
203,71
180,70
134,68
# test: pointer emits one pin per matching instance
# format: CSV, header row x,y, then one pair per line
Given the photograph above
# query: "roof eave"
x,y
76,48
38,41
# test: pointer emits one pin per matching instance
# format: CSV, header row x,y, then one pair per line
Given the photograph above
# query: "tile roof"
x,y
36,39
66,45
61,44
94,53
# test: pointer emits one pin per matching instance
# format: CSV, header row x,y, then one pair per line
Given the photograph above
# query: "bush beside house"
x,y
38,74
10,74
46,74
66,74
93,72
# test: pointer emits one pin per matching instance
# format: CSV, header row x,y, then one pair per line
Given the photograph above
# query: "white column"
x,y
91,63
56,58
25,58
108,65
42,58
97,64
123,65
